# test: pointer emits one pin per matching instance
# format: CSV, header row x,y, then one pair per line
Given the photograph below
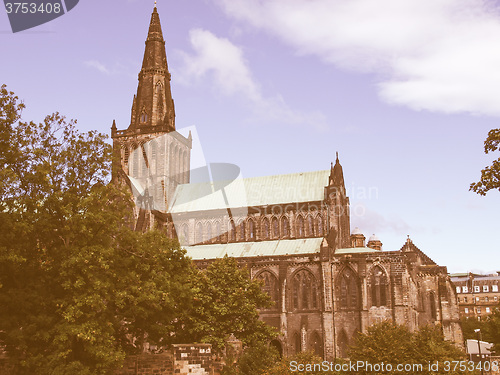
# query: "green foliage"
x,y
490,175
226,301
490,328
76,284
256,359
395,344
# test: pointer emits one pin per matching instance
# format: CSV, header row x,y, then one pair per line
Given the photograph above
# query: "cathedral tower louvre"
x,y
153,157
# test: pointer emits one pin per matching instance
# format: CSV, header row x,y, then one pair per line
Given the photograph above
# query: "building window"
x,y
478,310
317,344
297,343
458,289
217,231
276,228
270,287
300,226
488,310
486,299
465,289
348,290
285,227
304,291
465,299
251,229
485,288
466,310
265,228
494,288
185,233
477,289
495,298
477,299
379,287
144,116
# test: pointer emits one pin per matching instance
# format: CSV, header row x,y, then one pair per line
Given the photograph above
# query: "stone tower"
x,y
152,157
338,208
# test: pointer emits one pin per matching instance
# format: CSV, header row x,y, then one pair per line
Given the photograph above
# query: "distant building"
x,y
477,294
291,231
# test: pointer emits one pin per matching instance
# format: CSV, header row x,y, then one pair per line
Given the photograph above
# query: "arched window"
x,y
343,344
265,228
297,342
251,229
242,231
378,287
144,160
209,232
199,233
144,116
320,225
310,226
232,231
276,228
304,293
347,290
300,227
316,344
432,300
285,227
270,286
126,154
158,87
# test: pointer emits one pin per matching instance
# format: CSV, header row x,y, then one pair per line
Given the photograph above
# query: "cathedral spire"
x,y
153,107
337,174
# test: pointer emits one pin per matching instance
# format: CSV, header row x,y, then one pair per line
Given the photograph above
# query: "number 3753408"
x,y
32,8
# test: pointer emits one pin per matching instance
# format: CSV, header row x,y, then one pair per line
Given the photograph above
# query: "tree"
x,y
291,366
490,176
78,289
394,344
226,301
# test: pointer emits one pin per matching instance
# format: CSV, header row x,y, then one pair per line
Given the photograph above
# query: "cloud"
x,y
372,222
435,55
225,63
97,65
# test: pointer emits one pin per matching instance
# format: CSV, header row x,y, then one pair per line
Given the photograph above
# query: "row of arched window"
x,y
248,230
305,289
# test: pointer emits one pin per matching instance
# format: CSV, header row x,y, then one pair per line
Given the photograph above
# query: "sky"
x,y
405,91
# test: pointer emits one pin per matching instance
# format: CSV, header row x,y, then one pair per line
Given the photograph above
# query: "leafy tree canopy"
x,y
76,284
395,344
226,301
490,175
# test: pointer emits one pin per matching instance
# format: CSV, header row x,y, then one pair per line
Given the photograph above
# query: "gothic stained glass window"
x,y
304,291
432,301
251,229
265,228
378,287
300,226
285,227
348,290
276,228
270,287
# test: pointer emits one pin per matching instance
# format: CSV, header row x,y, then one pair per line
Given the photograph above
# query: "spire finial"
x,y
155,3
337,157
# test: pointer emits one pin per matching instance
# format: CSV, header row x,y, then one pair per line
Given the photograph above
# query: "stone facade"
x,y
291,231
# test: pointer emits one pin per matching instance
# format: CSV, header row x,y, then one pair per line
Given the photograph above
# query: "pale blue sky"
x,y
406,91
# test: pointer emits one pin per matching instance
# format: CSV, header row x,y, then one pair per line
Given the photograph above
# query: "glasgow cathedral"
x,y
290,231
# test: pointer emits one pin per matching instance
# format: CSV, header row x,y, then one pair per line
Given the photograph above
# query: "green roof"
x,y
255,249
250,192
